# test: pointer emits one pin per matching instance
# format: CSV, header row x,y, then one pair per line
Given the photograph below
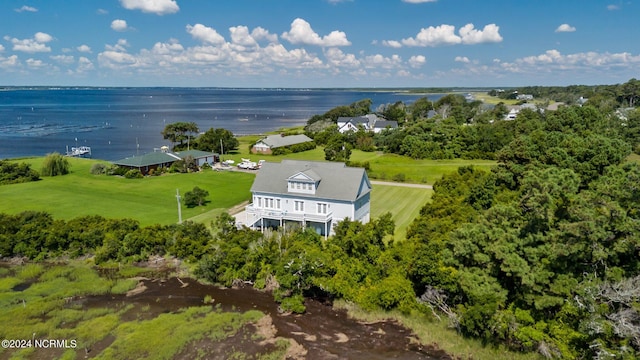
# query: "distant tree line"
x,y
453,127
618,95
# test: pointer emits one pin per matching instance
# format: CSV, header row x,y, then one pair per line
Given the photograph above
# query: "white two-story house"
x,y
308,193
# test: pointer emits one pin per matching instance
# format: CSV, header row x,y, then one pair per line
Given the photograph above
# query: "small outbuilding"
x,y
164,159
271,142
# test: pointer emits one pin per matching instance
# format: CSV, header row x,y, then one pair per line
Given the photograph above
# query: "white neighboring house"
x,y
308,193
370,122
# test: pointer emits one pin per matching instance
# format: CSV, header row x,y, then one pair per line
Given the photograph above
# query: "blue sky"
x,y
318,43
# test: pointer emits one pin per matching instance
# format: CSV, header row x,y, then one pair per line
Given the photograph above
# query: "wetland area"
x,y
159,314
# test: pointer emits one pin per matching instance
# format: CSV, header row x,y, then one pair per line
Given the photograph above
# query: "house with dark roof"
x,y
369,122
309,194
271,142
164,159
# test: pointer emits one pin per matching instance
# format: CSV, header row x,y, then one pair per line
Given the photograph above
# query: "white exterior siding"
x,y
312,210
310,194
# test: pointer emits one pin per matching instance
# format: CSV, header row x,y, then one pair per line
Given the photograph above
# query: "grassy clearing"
x,y
383,166
388,166
151,200
493,100
403,203
438,334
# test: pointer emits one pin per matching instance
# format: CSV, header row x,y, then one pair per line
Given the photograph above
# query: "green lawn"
x,y
383,166
388,166
151,200
404,204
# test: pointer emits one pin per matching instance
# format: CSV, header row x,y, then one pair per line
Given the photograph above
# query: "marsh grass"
x,y
51,307
29,271
168,334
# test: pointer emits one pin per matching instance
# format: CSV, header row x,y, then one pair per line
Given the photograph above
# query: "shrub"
x,y
99,169
55,164
12,173
133,174
294,304
195,197
399,177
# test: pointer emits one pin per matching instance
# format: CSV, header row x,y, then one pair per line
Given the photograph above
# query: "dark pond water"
x,y
324,333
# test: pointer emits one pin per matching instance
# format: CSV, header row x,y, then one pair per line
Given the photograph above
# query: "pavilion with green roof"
x,y
159,160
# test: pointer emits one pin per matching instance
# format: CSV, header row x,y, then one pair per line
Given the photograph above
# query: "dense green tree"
x,y
195,197
395,112
420,108
337,149
13,173
55,164
217,140
180,132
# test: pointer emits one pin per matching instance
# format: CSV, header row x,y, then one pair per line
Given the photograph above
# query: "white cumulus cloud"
x,y
205,34
462,59
119,25
84,48
434,36
84,64
27,9
417,61
158,7
302,33
489,34
565,28
445,34
33,45
392,43
42,37
63,59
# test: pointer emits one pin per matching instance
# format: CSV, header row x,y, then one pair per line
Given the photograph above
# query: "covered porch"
x,y
263,218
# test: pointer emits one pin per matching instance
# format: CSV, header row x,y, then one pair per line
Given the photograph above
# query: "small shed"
x,y
266,145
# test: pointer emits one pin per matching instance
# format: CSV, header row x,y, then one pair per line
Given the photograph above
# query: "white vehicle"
x,y
247,164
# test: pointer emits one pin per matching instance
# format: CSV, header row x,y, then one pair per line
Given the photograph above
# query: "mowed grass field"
x,y
151,200
403,203
382,166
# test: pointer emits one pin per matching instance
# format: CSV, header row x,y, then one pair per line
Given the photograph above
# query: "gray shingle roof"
x,y
196,154
382,124
336,180
154,158
276,141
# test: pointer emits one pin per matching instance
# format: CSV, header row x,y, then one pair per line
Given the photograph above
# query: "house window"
x,y
277,203
322,208
299,206
298,186
259,202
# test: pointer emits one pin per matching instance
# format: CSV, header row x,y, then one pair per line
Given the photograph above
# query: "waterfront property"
x,y
308,194
271,142
370,122
164,159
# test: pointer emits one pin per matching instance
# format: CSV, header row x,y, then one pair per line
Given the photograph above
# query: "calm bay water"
x,y
118,123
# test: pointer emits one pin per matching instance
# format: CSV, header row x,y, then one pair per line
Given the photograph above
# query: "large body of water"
x,y
122,122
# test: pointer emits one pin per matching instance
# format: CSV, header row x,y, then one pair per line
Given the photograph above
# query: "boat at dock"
x,y
79,151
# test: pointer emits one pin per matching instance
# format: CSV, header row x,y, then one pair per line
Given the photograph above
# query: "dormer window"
x,y
304,182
